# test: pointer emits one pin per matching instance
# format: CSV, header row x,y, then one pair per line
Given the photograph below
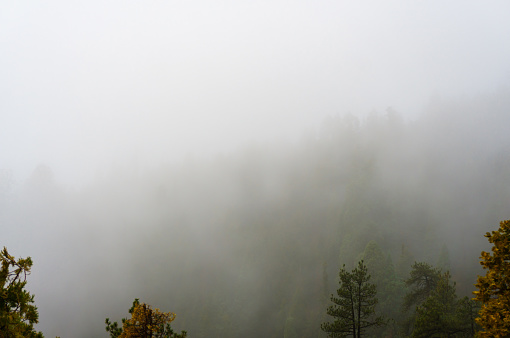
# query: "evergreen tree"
x,y
389,288
18,314
422,281
375,261
144,322
441,314
443,261
354,309
494,287
404,263
468,310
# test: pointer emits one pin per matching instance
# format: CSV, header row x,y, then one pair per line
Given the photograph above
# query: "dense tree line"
x,y
260,233
431,303
430,307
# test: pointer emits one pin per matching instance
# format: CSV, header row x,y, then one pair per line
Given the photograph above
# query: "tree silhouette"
x,y
354,309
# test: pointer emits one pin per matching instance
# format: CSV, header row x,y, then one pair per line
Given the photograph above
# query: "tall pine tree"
x,y
354,309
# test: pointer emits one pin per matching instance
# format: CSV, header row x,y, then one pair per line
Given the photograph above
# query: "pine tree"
x,y
354,309
443,314
144,322
422,281
18,314
389,288
494,287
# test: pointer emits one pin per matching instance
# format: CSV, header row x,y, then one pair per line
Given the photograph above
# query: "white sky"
x,y
87,84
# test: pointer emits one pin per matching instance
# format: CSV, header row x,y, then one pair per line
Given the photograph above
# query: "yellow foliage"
x,y
146,322
494,287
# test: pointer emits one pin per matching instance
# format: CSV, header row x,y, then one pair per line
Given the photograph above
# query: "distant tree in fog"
x,y
443,314
422,281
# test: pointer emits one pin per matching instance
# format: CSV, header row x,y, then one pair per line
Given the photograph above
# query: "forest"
x,y
250,243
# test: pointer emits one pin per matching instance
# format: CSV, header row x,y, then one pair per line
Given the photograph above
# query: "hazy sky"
x,y
87,84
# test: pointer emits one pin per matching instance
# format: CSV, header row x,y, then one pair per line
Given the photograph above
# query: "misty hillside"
x,y
249,243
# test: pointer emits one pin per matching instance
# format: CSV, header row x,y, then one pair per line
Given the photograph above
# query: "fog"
x,y
88,86
216,159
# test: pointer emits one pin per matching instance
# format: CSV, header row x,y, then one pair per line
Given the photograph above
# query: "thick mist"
x,y
250,242
223,160
90,87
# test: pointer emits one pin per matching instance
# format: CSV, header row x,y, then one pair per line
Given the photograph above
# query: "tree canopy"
x,y
145,322
494,287
18,314
422,281
443,314
354,309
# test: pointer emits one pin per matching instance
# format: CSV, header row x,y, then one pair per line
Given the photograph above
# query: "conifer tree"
x,y
443,314
144,322
494,287
422,281
18,314
354,309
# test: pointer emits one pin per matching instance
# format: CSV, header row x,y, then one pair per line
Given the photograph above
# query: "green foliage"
x,y
113,328
442,314
422,282
404,263
389,288
375,261
354,309
468,311
17,312
494,287
144,322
